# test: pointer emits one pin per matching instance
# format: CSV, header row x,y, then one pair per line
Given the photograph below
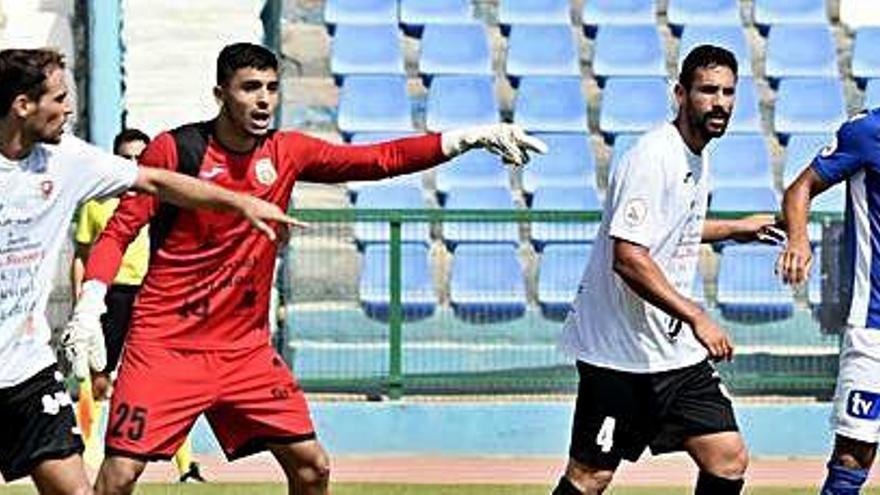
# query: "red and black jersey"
x,y
208,284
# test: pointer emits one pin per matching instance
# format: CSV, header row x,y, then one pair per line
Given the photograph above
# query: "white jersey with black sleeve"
x,y
657,199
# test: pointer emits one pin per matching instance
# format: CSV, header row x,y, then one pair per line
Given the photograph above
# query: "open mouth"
x,y
261,119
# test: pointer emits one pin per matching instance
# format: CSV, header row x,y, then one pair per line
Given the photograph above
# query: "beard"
x,y
701,122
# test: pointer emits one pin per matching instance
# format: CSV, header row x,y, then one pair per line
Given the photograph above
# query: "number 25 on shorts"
x,y
605,437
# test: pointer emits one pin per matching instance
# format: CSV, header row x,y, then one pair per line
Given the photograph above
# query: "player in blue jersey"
x,y
853,156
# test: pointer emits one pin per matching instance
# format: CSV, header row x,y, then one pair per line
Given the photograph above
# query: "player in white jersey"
x,y
642,346
44,179
853,156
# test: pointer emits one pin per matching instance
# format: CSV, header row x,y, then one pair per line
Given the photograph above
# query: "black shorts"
x,y
618,414
37,424
120,301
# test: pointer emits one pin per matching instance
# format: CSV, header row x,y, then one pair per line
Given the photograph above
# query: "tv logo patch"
x,y
863,405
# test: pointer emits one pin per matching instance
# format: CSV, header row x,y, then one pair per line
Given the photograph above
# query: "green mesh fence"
x,y
457,302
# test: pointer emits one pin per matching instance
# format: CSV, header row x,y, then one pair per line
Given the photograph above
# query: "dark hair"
x,y
24,72
129,135
243,55
702,57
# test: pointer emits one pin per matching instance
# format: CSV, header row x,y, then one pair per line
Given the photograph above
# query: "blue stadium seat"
x,y
455,49
359,12
744,199
542,50
551,104
798,50
872,93
731,37
799,153
374,104
865,59
560,270
622,144
632,105
477,168
569,161
628,51
741,160
390,197
617,12
366,49
746,112
460,101
713,12
564,199
520,12
826,109
748,289
415,14
417,286
486,283
353,187
479,198
770,13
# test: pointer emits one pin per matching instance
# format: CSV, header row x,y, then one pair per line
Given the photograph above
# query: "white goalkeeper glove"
x,y
509,141
83,337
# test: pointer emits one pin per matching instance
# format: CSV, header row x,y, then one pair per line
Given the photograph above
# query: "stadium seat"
x,y
415,14
455,49
731,37
560,270
872,94
859,13
359,12
569,161
617,12
622,144
735,199
390,197
633,105
418,299
542,50
520,12
551,104
366,49
865,59
460,101
628,51
831,201
353,187
482,198
712,12
486,283
770,13
746,112
740,160
477,168
800,51
799,153
564,199
374,104
697,293
826,109
748,288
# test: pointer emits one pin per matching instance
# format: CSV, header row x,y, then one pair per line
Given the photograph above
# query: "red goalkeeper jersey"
x,y
208,285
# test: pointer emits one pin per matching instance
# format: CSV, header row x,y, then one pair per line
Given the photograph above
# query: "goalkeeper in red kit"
x,y
199,336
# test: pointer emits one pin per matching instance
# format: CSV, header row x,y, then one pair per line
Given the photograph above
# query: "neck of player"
x,y
232,137
13,143
693,138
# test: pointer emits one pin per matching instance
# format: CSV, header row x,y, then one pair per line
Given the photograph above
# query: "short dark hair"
x,y
702,57
25,72
243,55
129,135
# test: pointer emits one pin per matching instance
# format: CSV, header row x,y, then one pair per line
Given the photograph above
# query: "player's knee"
x,y
316,471
589,480
118,476
737,462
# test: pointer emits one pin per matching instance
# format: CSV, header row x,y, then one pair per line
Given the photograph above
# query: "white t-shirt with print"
x,y
40,195
657,199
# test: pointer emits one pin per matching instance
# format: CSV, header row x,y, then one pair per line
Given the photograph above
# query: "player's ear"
x,y
680,94
22,106
218,95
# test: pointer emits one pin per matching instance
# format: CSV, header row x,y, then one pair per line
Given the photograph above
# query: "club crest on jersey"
x,y
46,187
863,404
265,172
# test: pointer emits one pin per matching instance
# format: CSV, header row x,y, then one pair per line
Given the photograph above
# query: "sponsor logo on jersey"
x,y
634,212
265,171
212,172
829,148
863,404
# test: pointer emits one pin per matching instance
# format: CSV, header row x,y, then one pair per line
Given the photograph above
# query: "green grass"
x,y
382,489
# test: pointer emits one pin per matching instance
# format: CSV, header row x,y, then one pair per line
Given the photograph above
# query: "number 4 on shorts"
x,y
605,437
